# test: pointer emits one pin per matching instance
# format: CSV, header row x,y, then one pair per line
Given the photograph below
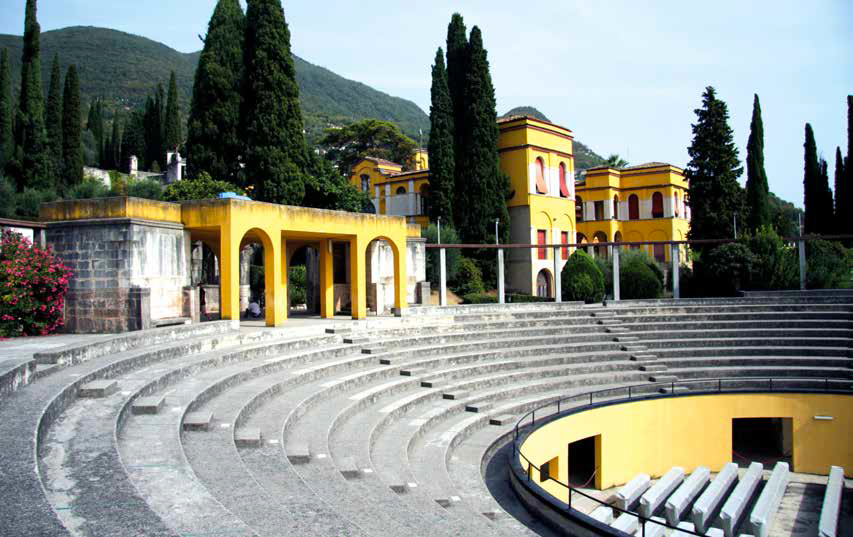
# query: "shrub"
x,y
33,284
7,197
296,277
28,202
469,279
641,257
90,188
525,298
638,280
203,187
606,268
582,279
451,256
828,265
479,298
775,265
723,270
145,188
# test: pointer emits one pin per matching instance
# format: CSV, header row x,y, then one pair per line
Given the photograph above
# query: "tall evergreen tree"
x,y
757,189
7,143
485,189
133,140
114,155
812,201
457,72
714,195
275,156
213,137
54,115
72,148
441,155
827,211
154,130
840,210
173,134
847,191
35,165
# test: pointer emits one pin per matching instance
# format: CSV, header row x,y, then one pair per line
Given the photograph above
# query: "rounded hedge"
x,y
582,280
637,280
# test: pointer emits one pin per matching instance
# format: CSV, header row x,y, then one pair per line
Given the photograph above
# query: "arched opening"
x,y
564,186
303,280
543,284
424,199
600,251
617,237
657,205
381,277
365,183
675,205
257,248
633,207
401,190
541,187
615,207
578,209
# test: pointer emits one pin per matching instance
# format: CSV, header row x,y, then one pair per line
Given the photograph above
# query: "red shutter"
x,y
564,239
541,187
564,188
633,207
657,205
541,241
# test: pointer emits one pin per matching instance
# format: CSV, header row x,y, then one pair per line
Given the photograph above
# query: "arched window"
x,y
541,187
564,187
657,205
578,209
401,190
676,206
365,182
615,208
633,207
543,284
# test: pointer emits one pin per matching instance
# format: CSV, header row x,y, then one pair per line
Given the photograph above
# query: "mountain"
x,y
585,158
123,68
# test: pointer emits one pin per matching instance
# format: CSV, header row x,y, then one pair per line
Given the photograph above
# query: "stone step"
x,y
456,395
198,421
356,340
403,487
603,314
349,468
413,371
248,437
501,419
617,330
610,322
653,368
634,348
448,502
372,349
479,407
643,357
676,389
663,378
98,389
298,453
339,331
431,383
626,339
149,405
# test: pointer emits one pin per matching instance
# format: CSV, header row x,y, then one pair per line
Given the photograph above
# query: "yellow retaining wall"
x,y
655,435
138,208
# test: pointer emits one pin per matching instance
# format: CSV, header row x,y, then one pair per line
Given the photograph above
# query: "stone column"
x,y
501,286
676,284
442,290
558,277
245,271
617,292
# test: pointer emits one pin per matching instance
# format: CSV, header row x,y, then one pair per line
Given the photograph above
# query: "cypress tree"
x,y
811,185
840,198
72,149
173,135
54,115
213,138
114,155
847,191
441,155
827,213
714,195
35,168
757,189
485,188
133,140
457,71
90,117
275,154
6,139
153,130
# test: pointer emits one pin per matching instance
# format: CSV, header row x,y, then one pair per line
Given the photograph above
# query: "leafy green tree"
x,y
200,188
582,279
88,188
486,188
54,115
173,135
149,189
326,188
7,197
213,138
757,189
775,266
616,162
715,197
368,138
72,147
7,143
275,156
828,264
133,139
469,278
451,255
457,74
442,165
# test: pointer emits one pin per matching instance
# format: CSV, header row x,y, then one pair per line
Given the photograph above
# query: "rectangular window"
x,y
564,239
541,240
339,262
599,210
660,253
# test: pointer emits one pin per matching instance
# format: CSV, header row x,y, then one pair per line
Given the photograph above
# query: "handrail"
x,y
653,388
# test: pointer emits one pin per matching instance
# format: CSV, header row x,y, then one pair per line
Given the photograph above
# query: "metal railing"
x,y
637,392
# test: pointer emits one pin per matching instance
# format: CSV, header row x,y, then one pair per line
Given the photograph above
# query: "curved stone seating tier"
x,y
214,431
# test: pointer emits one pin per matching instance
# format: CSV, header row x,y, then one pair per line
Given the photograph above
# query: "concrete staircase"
x,y
389,428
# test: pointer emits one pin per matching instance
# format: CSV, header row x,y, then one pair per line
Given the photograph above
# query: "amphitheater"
x,y
399,426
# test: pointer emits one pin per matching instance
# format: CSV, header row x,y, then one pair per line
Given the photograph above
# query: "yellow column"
x,y
229,269
358,274
276,300
284,276
327,281
400,277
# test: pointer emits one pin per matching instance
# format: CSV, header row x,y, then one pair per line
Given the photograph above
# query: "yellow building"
x,y
636,204
395,192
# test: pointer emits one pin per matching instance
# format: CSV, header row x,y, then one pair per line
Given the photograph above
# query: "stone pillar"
x,y
501,286
558,277
617,292
442,289
676,284
801,246
245,271
192,305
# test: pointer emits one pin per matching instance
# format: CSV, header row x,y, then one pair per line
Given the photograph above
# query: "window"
x,y
401,190
599,210
660,253
564,239
541,240
633,207
564,187
365,183
615,208
657,205
339,262
578,209
541,187
675,205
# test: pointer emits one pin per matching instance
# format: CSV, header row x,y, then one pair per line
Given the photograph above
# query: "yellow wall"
x,y
138,208
653,436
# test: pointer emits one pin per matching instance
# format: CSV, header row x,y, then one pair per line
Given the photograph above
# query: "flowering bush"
x,y
33,283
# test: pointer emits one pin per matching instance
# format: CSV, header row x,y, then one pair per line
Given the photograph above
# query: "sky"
x,y
624,76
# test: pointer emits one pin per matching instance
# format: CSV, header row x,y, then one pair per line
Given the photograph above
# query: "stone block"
x,y
502,419
654,530
413,371
627,522
148,405
713,495
456,395
736,504
198,421
831,507
249,437
430,383
764,511
478,407
684,495
298,453
348,468
632,491
98,389
603,514
660,491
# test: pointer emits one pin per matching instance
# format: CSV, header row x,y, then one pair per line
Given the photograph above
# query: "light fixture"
x,y
824,418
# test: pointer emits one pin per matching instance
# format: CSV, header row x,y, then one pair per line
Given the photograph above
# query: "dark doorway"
x,y
582,462
764,440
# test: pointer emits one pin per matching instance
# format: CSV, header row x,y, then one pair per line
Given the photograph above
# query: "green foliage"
x,y
88,188
276,158
441,157
133,140
841,213
200,188
452,256
606,268
469,278
346,146
213,137
457,73
173,136
715,197
7,197
145,188
775,264
296,284
724,270
72,147
520,298
7,144
817,196
757,189
785,216
526,111
325,188
90,148
582,279
637,280
53,116
846,194
34,283
28,201
616,162
479,298
829,265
